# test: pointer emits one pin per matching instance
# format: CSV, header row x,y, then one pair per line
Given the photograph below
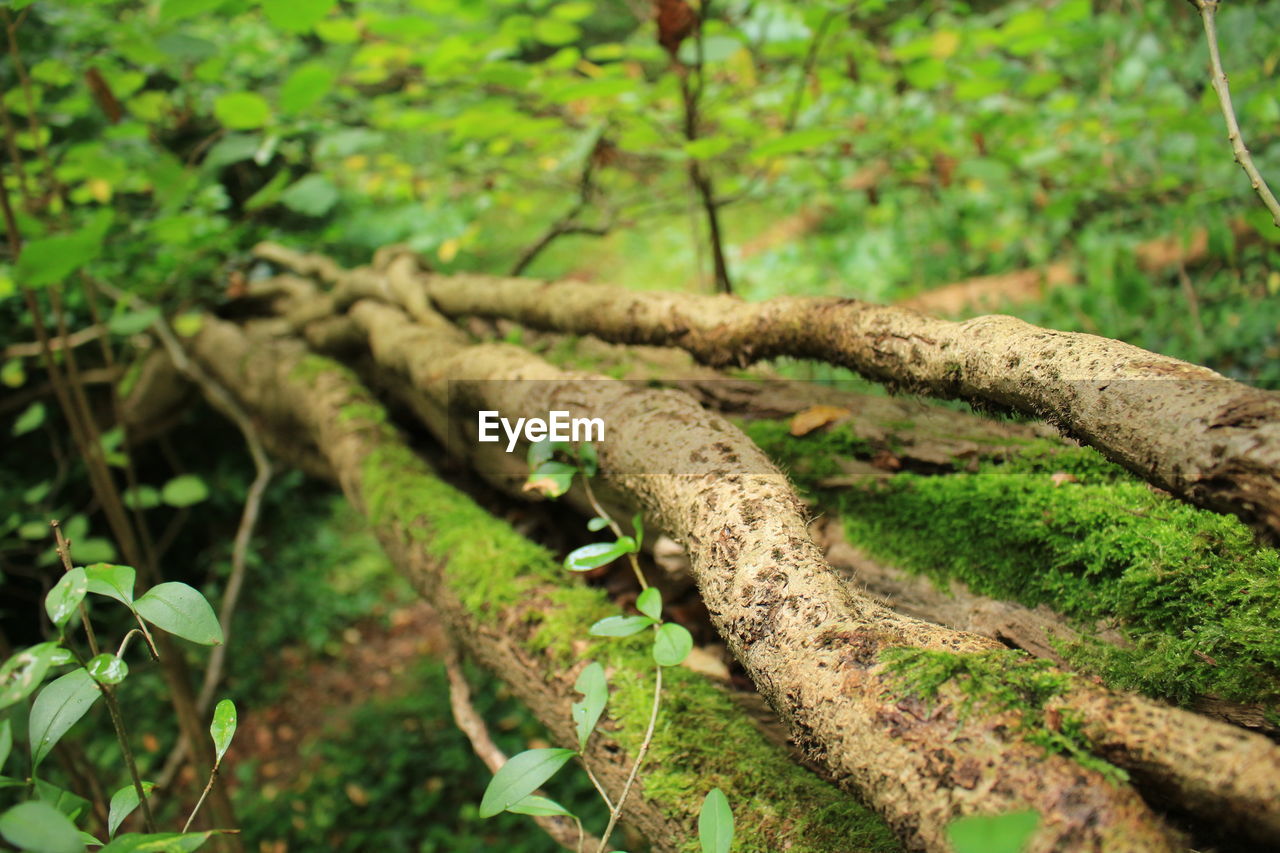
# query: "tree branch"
x,y
1218,77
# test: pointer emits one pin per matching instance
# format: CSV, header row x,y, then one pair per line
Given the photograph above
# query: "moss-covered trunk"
x,y
524,618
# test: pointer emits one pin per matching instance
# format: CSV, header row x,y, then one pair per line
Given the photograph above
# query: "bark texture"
x,y
813,646
810,645
457,555
1185,428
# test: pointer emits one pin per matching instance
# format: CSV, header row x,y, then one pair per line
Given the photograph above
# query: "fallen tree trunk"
x,y
787,646
990,292
524,618
1187,429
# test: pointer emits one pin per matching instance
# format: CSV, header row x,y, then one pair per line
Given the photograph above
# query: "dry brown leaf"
x,y
814,417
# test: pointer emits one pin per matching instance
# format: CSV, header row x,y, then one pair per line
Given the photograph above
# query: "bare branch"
x,y
1208,11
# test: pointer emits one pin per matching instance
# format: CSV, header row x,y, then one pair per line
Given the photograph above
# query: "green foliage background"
x,y
939,140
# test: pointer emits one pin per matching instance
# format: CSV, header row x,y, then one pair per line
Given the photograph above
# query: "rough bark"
x,y
811,646
1185,428
461,563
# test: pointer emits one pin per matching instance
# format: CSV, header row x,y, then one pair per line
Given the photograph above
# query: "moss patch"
x,y
811,458
998,681
1189,589
703,740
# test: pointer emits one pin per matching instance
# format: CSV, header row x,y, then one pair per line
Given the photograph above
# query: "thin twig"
x,y
1208,11
248,517
213,777
568,835
806,69
32,349
691,94
615,527
567,224
640,756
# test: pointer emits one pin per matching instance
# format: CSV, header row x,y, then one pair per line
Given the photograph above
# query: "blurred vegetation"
x,y
151,144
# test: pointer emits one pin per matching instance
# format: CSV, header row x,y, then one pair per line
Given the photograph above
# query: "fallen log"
x,y
991,292
1210,440
522,616
787,646
814,650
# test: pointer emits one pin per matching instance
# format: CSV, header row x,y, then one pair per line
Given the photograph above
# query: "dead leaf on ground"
x,y
815,417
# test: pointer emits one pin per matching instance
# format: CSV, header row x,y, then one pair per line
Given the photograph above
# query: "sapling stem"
x,y
616,811
108,694
615,527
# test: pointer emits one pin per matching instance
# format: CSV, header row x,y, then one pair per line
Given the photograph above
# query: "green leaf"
x,y
620,626
232,148
29,420
573,11
597,554
223,728
544,451
133,322
715,823
186,490
555,31
143,497
672,644
637,524
800,140
708,147
182,611
1006,833
6,741
106,668
40,827
296,16
71,805
552,479
177,10
649,603
597,524
112,581
242,110
306,86
51,259
313,195
586,711
66,595
23,672
157,842
123,802
539,807
56,710
520,777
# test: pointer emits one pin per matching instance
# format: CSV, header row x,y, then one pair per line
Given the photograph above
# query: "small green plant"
x,y
46,819
514,785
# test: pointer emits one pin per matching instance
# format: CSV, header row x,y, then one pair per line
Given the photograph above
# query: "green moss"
x,y
998,681
1191,591
811,458
369,412
490,567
